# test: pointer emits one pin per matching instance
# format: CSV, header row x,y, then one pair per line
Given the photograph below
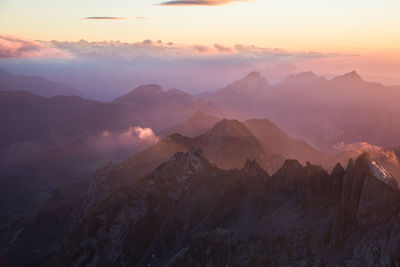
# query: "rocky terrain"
x,y
189,212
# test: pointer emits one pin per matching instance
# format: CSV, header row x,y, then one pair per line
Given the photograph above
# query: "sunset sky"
x,y
323,25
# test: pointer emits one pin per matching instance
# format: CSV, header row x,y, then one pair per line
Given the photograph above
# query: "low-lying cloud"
x,y
199,2
359,147
16,47
133,139
169,50
387,157
11,46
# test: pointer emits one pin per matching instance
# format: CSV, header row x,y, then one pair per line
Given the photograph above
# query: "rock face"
x,y
189,212
369,197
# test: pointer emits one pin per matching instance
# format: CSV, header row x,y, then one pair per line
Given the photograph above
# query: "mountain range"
x,y
320,111
34,84
189,212
164,178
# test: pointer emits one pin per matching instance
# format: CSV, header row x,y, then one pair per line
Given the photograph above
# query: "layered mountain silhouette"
x,y
34,84
322,112
189,212
196,124
151,103
214,186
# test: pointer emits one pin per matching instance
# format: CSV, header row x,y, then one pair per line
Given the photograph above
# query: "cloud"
x,y
169,50
198,2
104,18
134,139
359,146
16,47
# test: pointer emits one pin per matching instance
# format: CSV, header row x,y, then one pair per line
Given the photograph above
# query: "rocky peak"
x,y
369,196
181,166
338,170
252,169
365,163
195,161
314,170
291,166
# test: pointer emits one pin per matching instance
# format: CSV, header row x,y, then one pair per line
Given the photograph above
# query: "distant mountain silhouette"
x,y
322,112
34,84
196,124
303,79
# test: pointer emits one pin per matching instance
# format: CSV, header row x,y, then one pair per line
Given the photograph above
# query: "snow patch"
x,y
380,172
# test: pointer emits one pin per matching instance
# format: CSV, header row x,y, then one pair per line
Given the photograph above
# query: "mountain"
x,y
29,180
34,84
321,112
277,142
220,144
274,141
162,108
303,79
67,118
31,117
258,139
189,212
37,126
196,124
250,84
351,80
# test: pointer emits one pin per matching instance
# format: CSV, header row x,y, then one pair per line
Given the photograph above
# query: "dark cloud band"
x,y
104,18
197,2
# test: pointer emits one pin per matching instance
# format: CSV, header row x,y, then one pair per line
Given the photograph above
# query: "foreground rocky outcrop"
x,y
188,212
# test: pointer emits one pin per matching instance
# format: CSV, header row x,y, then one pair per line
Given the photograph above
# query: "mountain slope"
x,y
30,117
196,124
275,141
34,84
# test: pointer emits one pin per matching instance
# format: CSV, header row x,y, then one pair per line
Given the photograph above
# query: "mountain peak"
x,y
304,78
229,128
291,166
306,74
253,75
351,77
199,115
252,169
338,170
182,165
141,91
365,162
150,89
252,82
174,91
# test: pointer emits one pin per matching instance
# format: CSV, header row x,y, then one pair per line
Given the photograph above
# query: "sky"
x,y
321,25
105,48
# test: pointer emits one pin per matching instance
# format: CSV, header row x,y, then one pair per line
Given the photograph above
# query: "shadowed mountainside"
x,y
189,212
